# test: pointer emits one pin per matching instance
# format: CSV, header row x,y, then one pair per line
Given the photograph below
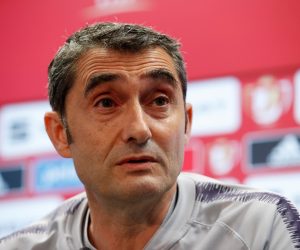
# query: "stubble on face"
x,y
95,142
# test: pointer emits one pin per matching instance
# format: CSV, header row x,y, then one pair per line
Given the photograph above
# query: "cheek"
x,y
93,142
172,140
89,133
178,145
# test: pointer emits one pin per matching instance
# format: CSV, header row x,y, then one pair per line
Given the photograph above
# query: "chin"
x,y
147,188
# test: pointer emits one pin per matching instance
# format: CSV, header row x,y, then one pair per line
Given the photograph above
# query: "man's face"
x,y
126,116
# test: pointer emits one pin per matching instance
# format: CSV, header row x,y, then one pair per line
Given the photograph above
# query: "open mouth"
x,y
137,160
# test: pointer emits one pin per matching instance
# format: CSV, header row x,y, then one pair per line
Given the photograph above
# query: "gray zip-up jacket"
x,y
206,215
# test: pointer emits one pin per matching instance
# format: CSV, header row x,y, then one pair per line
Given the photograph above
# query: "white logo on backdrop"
x,y
269,99
223,155
286,152
22,131
216,106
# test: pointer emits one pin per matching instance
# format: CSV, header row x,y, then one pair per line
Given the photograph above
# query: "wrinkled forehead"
x,y
151,53
97,60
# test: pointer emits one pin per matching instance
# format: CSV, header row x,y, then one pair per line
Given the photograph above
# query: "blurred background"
x,y
243,64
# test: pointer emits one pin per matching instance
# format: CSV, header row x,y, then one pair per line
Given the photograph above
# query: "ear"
x,y
57,133
188,122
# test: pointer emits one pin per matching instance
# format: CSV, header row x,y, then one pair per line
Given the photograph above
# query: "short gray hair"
x,y
116,36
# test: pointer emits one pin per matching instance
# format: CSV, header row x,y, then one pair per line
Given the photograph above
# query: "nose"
x,y
135,127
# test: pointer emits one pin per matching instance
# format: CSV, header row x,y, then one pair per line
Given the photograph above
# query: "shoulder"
x,y
231,204
46,232
208,190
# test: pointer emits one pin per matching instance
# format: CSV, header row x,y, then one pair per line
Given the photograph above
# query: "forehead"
x,y
102,60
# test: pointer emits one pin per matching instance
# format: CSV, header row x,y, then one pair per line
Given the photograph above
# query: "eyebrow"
x,y
99,79
155,74
161,74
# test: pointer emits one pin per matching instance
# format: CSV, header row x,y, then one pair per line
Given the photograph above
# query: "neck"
x,y
127,226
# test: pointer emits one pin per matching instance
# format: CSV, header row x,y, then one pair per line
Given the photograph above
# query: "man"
x,y
118,98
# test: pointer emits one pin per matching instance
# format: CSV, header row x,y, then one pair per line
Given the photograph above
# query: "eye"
x,y
106,103
161,101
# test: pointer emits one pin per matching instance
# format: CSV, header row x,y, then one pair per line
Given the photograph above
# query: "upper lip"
x,y
137,158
